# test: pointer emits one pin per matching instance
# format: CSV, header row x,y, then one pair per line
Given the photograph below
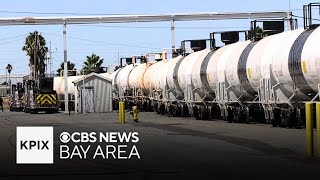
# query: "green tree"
x,y
91,63
35,47
70,66
9,69
259,33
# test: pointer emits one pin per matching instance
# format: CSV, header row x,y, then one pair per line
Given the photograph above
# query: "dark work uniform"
x,y
1,103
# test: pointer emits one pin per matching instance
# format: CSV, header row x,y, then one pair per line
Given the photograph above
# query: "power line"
x,y
13,37
105,52
303,18
55,13
102,42
5,43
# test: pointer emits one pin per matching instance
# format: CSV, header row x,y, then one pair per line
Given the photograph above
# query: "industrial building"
x,y
93,93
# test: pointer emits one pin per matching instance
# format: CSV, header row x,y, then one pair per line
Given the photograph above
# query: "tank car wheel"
x,y
298,122
158,109
209,113
183,110
196,114
200,113
291,120
163,109
284,122
247,115
276,121
235,113
230,115
174,110
186,111
33,111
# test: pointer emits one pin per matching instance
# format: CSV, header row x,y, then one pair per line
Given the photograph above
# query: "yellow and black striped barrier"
x,y
46,99
309,129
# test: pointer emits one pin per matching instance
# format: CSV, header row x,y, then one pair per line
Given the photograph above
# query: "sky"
x,y
125,40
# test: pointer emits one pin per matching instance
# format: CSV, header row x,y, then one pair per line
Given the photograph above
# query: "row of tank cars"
x,y
260,79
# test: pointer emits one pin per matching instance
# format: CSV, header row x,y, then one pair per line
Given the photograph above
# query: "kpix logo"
x,y
34,145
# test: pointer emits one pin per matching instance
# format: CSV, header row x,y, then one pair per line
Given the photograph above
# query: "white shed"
x,y
93,94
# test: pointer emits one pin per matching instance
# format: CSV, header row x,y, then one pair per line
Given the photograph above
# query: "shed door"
x,y
87,100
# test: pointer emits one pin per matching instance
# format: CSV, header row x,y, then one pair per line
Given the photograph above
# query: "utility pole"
x,y
35,52
119,59
65,73
49,62
173,39
289,5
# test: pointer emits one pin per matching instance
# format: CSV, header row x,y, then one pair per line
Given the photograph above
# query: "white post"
x,y
83,103
173,39
66,92
290,21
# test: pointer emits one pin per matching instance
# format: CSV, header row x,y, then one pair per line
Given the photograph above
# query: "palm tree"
x,y
9,69
35,47
70,66
91,63
259,33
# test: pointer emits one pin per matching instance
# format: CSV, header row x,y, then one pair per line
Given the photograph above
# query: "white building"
x,y
93,93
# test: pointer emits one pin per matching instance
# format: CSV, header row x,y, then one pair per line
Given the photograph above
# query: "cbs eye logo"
x,y
65,137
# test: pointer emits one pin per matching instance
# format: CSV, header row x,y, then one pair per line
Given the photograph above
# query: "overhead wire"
x,y
5,43
303,17
13,37
56,13
102,42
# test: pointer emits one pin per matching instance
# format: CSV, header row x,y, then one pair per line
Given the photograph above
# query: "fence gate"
x,y
87,102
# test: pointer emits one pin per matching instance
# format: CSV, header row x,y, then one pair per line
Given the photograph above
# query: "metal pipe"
x,y
66,92
173,44
140,18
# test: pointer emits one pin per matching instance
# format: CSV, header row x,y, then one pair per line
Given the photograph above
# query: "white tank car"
x,y
259,64
121,83
266,57
114,83
174,91
222,96
281,80
160,79
235,83
212,70
136,77
189,76
149,83
58,84
259,59
310,62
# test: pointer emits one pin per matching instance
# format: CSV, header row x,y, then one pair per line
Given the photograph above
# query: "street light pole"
x,y
65,73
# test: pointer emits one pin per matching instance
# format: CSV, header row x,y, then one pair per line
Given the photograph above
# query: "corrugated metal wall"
x,y
102,94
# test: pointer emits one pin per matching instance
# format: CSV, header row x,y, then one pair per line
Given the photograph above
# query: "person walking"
x,y
1,103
